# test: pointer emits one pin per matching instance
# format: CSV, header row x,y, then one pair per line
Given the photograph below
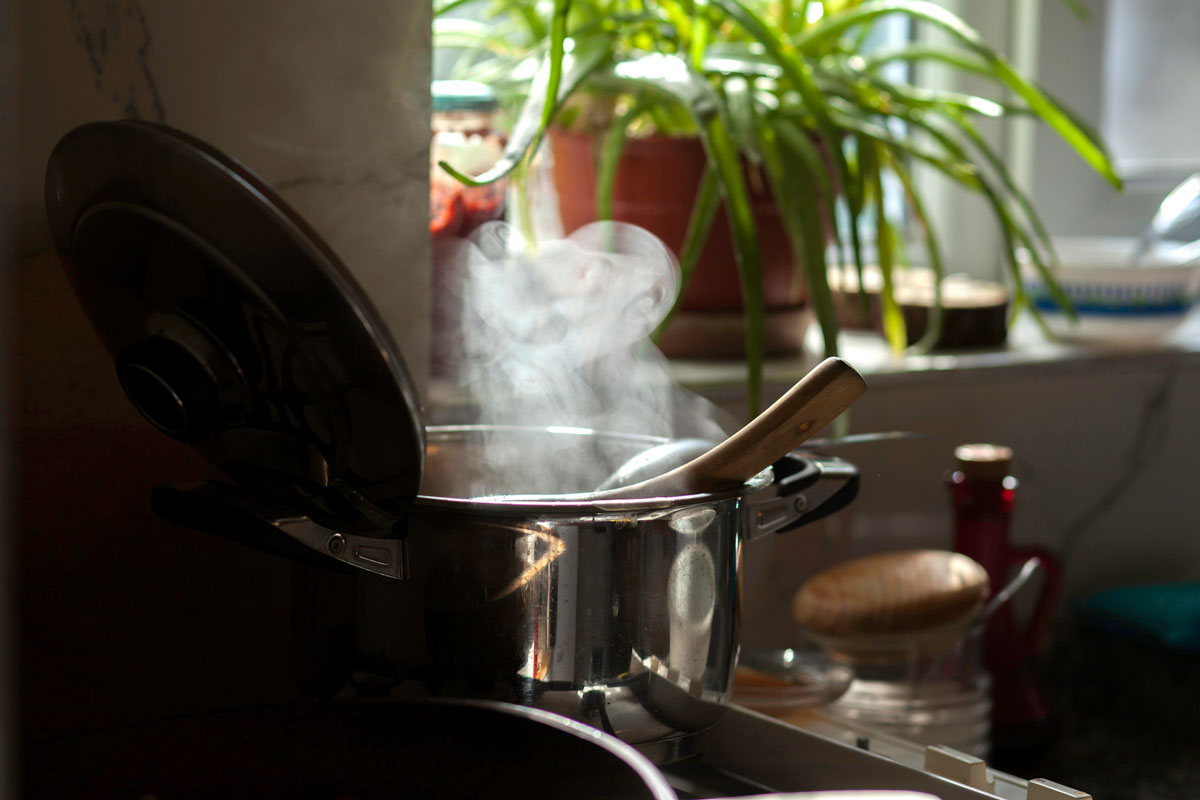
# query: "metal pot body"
x,y
622,620
624,615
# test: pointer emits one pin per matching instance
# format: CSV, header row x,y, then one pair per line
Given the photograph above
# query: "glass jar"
x,y
465,136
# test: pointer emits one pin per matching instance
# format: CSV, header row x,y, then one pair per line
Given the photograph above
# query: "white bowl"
x,y
1115,302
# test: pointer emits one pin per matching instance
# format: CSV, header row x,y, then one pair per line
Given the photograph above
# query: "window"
x,y
1151,97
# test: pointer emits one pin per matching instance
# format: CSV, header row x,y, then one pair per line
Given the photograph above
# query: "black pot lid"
x,y
233,326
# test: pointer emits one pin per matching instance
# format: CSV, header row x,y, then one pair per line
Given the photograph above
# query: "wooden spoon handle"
x,y
814,402
820,396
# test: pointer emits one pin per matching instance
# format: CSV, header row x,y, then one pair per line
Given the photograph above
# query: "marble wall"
x,y
327,101
123,617
1105,451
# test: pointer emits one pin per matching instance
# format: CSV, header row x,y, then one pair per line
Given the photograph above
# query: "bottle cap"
x,y
987,461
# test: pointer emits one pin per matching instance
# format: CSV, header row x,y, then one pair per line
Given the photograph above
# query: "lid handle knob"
x,y
169,386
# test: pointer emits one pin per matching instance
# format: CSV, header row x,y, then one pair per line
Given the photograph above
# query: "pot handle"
x,y
221,508
1034,637
807,487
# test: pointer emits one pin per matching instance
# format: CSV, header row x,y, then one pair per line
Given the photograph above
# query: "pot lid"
x,y
233,326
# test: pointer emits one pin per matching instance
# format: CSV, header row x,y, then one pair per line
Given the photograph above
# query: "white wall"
x,y
1073,66
1151,61
1105,455
124,617
1066,55
327,101
963,221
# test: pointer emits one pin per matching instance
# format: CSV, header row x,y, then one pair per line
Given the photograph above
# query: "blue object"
x,y
1168,615
1115,299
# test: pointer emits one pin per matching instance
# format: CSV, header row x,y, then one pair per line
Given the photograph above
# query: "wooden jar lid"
x,y
907,591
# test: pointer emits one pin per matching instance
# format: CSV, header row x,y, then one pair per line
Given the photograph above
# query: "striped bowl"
x,y
1115,302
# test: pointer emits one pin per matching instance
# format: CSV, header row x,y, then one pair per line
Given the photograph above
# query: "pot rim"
x,y
580,503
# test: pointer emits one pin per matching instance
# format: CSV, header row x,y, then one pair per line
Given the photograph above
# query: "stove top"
x,y
749,754
385,749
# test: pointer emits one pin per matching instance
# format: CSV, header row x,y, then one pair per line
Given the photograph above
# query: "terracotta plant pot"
x,y
656,184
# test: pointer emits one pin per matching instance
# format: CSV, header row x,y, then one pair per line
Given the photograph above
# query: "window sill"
x,y
1027,350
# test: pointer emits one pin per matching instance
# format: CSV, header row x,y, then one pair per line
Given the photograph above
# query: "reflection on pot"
x,y
691,593
538,549
627,620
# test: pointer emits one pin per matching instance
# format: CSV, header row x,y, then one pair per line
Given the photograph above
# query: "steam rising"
x,y
557,335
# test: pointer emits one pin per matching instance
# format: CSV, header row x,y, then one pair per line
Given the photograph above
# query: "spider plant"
x,y
788,89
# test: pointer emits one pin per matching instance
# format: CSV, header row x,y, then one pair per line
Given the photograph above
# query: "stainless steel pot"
x,y
236,330
620,613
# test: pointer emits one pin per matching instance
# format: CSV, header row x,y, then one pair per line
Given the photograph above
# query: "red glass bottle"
x,y
982,495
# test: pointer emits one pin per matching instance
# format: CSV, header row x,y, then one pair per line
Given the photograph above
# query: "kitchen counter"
x,y
1123,723
1124,718
1026,348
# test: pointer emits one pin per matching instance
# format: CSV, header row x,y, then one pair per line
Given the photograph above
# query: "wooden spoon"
x,y
819,397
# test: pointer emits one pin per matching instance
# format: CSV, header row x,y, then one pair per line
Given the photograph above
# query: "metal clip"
x,y
385,557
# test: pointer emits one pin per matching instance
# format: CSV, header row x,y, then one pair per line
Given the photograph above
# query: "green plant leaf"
x,y
610,157
447,7
893,320
796,175
473,35
799,17
799,74
739,58
833,26
966,63
533,20
956,114
741,222
933,323
558,39
927,52
679,17
1011,232
889,92
704,212
531,124
802,146
751,75
961,170
743,117
701,33
972,133
955,165
672,77
793,67
629,26
997,196
1077,8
